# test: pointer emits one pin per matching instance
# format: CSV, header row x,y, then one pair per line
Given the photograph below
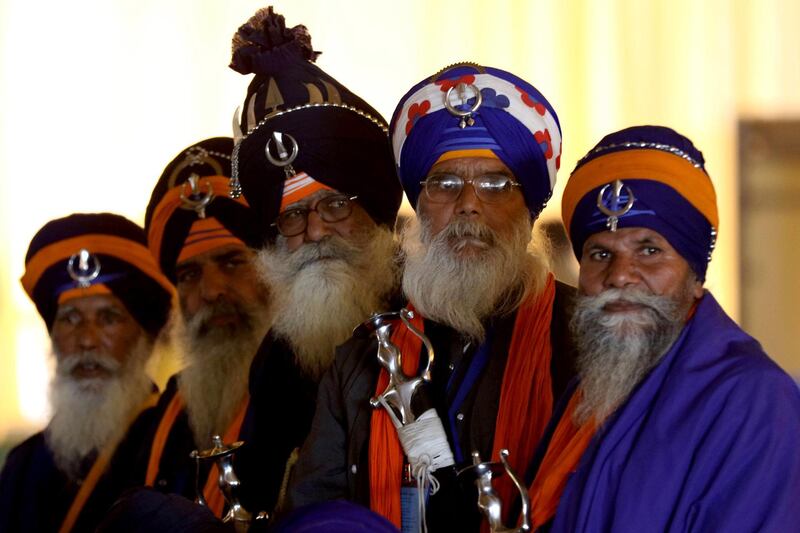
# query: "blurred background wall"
x,y
96,96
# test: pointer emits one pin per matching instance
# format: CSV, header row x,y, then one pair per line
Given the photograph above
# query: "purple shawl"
x,y
709,441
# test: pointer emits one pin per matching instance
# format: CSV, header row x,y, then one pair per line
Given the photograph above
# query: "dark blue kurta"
x,y
709,441
35,495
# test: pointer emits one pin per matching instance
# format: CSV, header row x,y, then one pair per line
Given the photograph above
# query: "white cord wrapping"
x,y
426,437
425,444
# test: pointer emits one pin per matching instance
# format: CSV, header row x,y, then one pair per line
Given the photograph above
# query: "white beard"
x,y
214,382
463,290
617,350
90,414
324,289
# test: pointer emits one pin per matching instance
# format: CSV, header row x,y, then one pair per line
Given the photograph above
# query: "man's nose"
x,y
316,228
622,271
468,204
212,285
88,336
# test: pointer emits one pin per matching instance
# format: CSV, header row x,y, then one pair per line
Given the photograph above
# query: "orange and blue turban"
x,y
190,210
471,110
97,253
650,177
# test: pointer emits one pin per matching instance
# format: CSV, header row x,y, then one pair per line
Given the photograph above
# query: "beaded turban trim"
x,y
298,121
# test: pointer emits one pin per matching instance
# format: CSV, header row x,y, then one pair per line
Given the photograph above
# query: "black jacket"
x,y
334,460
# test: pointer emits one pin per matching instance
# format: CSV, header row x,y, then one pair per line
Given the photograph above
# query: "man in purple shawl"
x,y
697,429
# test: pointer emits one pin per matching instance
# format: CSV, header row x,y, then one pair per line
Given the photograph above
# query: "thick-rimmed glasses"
x,y
489,188
330,209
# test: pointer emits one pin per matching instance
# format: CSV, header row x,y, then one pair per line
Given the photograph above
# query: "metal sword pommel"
x,y
489,501
228,481
401,389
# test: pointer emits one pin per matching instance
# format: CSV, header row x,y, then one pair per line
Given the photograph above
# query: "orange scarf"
x,y
560,461
213,496
526,396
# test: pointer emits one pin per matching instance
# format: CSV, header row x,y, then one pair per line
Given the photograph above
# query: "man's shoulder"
x,y
30,457
27,449
728,371
356,358
751,372
719,347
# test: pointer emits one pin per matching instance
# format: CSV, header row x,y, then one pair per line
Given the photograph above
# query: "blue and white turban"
x,y
511,120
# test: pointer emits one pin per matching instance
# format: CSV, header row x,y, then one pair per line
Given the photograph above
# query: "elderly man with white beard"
x,y
678,420
477,151
315,166
315,163
104,301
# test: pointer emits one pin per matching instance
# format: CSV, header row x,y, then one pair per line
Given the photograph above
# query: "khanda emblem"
x,y
462,91
613,202
83,267
196,199
282,157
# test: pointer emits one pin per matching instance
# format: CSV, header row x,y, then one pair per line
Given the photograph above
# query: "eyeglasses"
x,y
489,188
330,209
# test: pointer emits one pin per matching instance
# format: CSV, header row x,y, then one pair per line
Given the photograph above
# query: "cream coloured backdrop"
x,y
96,96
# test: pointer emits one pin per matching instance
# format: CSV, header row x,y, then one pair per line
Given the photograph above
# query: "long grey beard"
x,y
324,289
463,290
90,414
215,381
617,350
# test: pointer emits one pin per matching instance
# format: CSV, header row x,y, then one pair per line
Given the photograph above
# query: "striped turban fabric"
x,y
190,210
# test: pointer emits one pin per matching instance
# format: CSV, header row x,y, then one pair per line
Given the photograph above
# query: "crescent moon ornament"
x,y
196,199
283,158
83,267
465,115
614,213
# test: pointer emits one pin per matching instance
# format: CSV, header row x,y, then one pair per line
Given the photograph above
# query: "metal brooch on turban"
x,y
645,176
472,110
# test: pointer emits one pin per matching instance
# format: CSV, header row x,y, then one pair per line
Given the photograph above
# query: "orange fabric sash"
x,y
560,461
174,408
97,470
211,492
526,397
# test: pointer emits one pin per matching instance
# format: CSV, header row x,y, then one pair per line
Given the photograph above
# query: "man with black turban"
x,y
477,150
204,242
678,420
103,301
315,163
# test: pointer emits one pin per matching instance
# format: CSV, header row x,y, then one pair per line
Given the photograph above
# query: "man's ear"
x,y
697,289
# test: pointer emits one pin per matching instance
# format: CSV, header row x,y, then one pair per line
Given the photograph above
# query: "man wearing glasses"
x,y
477,151
314,162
